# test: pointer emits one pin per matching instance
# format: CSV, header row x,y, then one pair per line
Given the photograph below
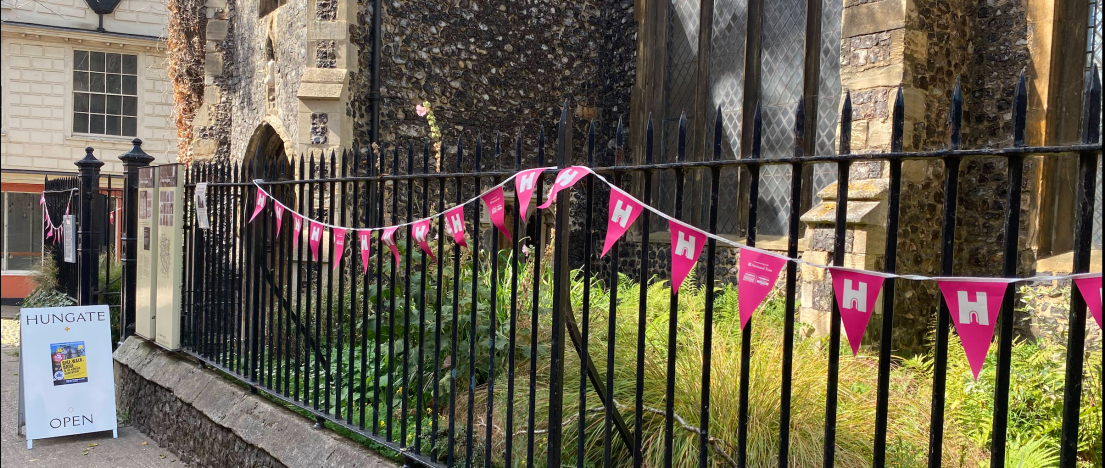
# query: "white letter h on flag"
x,y
621,214
685,246
855,298
976,308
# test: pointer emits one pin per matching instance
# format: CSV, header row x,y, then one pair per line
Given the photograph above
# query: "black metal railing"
x,y
480,353
93,277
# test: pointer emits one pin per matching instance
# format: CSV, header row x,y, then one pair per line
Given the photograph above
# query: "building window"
x,y
105,93
22,231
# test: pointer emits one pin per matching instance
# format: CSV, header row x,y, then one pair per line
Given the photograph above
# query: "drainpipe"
x,y
374,94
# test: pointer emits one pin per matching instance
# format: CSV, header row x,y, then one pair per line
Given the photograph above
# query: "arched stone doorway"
x,y
267,155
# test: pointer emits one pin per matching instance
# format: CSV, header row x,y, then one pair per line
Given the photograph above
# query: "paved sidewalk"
x,y
96,450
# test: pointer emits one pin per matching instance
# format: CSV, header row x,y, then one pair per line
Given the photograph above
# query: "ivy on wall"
x,y
186,44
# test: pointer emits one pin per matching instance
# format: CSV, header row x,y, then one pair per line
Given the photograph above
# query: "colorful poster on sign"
x,y
757,275
496,209
1090,287
68,361
454,225
857,294
564,179
686,246
974,306
524,185
624,210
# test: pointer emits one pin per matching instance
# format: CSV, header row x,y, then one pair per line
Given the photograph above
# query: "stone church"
x,y
295,77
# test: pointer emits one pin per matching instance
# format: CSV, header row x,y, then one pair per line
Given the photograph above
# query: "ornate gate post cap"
x,y
136,155
89,161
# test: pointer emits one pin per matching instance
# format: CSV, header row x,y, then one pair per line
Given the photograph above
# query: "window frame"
x,y
70,98
4,227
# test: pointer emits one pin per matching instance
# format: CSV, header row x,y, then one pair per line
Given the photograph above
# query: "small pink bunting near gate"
x,y
421,231
623,211
297,228
454,225
757,275
49,233
524,185
278,210
857,293
974,306
564,179
1090,287
364,237
686,246
389,240
339,245
259,204
314,237
496,209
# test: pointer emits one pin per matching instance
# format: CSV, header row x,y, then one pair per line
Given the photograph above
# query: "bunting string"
x,y
570,175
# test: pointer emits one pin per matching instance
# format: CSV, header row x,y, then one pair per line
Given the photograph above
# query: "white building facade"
x,y
73,78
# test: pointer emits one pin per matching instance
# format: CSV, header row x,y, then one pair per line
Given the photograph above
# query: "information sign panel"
x,y
170,240
146,281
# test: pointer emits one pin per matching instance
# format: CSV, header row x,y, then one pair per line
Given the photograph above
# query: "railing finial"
x,y
1020,109
955,117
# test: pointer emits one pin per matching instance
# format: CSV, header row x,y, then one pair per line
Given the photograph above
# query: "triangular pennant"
x,y
42,199
496,209
49,233
623,211
297,228
857,293
314,238
564,179
111,218
421,232
259,204
1090,286
974,306
278,209
524,185
757,275
364,237
389,240
454,225
339,245
686,246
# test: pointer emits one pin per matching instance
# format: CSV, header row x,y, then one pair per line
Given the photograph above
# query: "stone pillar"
x,y
323,92
208,133
865,244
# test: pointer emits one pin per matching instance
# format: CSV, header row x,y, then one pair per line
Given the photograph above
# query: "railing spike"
x,y
479,152
591,144
955,117
757,131
718,131
460,153
800,126
649,134
897,125
1091,108
498,151
681,147
846,124
1020,109
541,148
619,150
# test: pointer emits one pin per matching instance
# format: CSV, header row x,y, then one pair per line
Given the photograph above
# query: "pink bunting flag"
x,y
111,219
314,238
42,199
564,179
454,225
364,236
339,245
758,272
259,204
421,232
974,306
278,209
857,292
389,240
686,246
49,233
496,208
524,185
297,228
623,211
1090,286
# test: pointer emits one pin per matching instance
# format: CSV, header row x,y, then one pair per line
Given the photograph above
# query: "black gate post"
x,y
132,161
87,253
